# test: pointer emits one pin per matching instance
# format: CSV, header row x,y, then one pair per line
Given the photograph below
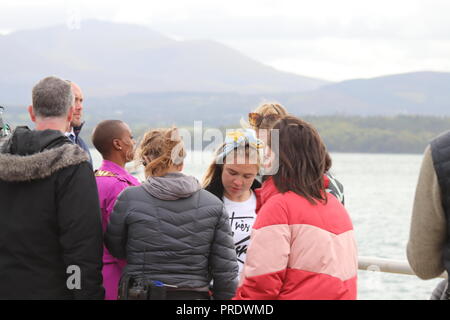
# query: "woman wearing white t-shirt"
x,y
231,177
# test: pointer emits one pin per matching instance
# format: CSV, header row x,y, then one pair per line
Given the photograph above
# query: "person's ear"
x,y
31,112
70,115
117,144
68,119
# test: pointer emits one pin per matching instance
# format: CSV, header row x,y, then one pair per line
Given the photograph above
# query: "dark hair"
x,y
303,160
104,134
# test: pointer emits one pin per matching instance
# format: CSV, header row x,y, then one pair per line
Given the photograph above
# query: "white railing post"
x,y
387,265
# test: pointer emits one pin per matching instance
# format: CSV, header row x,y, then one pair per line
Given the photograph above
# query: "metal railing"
x,y
387,265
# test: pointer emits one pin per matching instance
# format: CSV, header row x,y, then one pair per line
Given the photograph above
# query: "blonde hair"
x,y
159,150
270,108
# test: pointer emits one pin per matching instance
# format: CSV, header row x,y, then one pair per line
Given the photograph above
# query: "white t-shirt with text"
x,y
242,216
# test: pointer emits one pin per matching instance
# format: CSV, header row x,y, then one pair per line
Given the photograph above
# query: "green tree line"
x,y
398,134
341,133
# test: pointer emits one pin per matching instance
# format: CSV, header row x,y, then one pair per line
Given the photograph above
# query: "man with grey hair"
x,y
51,242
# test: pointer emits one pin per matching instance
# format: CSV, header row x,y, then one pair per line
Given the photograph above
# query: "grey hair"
x,y
52,97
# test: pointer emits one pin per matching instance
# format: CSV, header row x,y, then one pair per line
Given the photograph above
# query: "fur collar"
x,y
16,168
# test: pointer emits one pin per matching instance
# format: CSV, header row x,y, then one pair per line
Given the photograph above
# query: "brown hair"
x,y
303,160
212,181
159,150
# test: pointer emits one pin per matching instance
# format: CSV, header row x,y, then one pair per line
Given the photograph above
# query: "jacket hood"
x,y
30,154
26,142
172,186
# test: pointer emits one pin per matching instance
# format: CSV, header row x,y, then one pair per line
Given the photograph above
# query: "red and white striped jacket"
x,y
299,250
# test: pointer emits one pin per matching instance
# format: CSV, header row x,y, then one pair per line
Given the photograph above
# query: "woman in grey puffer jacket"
x,y
170,229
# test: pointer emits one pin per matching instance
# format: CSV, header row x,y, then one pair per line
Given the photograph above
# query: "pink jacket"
x,y
111,180
299,250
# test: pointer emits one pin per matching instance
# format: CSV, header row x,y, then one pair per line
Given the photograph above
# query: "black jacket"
x,y
175,232
50,219
80,142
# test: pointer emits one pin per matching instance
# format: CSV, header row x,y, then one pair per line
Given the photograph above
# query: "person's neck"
x,y
173,169
117,160
239,198
51,124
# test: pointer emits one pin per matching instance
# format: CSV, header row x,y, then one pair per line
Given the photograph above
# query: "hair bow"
x,y
240,137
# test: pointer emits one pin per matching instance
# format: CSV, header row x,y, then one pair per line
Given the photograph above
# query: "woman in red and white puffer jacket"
x,y
302,244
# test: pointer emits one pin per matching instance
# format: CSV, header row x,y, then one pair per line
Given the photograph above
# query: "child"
x,y
231,177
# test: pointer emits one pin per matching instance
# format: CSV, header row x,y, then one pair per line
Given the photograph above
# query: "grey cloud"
x,y
307,28
31,17
432,23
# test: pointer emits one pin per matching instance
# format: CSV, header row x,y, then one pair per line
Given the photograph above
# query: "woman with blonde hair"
x,y
262,121
231,177
264,117
174,235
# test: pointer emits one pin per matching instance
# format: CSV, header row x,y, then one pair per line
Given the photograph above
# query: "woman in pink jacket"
x,y
114,141
302,244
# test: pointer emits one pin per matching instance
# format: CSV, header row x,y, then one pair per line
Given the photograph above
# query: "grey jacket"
x,y
428,224
174,231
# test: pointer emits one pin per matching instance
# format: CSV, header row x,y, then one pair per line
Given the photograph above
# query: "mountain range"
x,y
141,75
422,93
110,59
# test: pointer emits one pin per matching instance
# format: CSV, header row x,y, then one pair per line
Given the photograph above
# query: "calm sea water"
x,y
379,192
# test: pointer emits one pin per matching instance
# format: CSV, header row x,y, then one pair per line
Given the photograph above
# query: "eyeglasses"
x,y
255,119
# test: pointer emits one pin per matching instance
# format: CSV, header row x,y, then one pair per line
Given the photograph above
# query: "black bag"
x,y
141,288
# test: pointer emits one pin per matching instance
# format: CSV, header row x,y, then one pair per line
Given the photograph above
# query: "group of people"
x,y
238,234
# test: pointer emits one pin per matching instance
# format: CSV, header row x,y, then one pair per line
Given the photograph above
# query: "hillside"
x,y
109,59
410,93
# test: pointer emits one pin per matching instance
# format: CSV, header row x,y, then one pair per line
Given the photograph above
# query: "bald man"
x,y
73,132
114,140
